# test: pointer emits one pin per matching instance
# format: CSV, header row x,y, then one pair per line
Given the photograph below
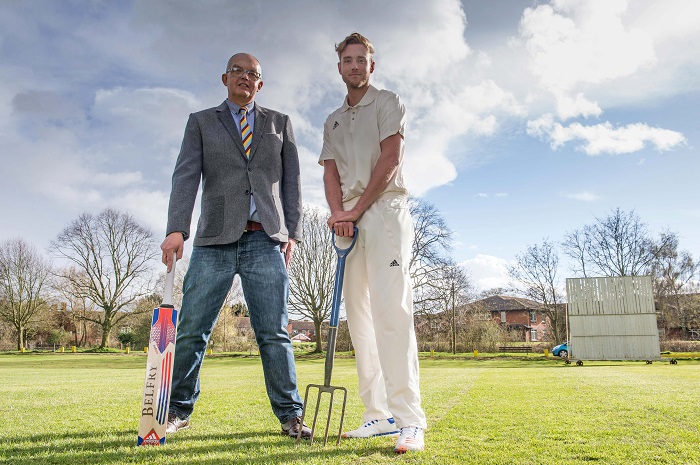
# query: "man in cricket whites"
x,y
362,156
247,160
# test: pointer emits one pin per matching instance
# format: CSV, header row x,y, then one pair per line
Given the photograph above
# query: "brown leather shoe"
x,y
175,424
291,428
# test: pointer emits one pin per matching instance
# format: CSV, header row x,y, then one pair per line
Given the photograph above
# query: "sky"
x,y
526,119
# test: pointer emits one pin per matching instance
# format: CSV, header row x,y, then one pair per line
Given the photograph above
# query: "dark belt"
x,y
253,226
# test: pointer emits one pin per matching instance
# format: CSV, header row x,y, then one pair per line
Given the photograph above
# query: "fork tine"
x,y
342,415
331,391
303,414
328,420
313,426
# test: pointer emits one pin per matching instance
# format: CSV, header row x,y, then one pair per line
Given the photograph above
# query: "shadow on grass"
x,y
252,447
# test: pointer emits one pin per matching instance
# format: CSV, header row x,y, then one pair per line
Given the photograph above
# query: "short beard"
x,y
361,85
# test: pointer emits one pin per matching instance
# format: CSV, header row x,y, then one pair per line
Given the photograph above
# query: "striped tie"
x,y
246,134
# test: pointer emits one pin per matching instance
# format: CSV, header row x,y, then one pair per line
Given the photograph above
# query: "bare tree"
x,y
24,274
180,271
495,291
535,273
76,305
431,243
227,333
618,245
235,298
455,292
674,274
312,271
110,253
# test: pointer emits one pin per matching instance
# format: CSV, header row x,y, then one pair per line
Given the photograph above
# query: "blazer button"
x,y
247,192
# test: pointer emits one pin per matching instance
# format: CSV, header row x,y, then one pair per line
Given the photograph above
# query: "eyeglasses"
x,y
237,71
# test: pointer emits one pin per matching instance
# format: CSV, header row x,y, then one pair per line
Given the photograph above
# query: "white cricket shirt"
x,y
351,137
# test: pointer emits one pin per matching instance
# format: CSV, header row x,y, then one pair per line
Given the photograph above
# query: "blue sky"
x,y
527,119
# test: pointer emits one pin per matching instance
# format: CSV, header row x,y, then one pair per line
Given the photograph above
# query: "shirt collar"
x,y
235,109
368,98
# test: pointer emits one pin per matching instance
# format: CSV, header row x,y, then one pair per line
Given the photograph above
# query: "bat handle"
x,y
169,283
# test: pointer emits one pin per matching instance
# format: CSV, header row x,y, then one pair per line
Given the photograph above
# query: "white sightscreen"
x,y
612,318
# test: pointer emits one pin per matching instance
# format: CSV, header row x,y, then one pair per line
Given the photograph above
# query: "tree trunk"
x,y
83,336
20,338
105,336
319,342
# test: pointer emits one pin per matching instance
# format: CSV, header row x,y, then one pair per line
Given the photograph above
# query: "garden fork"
x,y
330,351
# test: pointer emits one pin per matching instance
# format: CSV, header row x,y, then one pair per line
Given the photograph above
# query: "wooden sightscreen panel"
x,y
612,318
610,295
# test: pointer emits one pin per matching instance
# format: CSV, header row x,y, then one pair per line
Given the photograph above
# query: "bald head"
x,y
243,78
244,56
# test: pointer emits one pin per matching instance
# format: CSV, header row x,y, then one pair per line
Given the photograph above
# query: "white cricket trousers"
x,y
379,308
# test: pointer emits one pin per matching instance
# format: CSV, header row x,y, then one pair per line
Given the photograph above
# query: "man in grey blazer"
x,y
250,220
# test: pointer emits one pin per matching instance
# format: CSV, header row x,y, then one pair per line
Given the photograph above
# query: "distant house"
x,y
242,325
679,318
517,314
302,327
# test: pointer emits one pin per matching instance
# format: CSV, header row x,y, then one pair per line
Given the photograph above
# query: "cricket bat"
x,y
159,368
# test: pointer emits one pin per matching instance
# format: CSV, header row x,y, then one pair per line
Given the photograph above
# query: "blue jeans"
x,y
258,261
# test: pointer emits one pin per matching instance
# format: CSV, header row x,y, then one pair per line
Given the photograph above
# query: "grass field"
x,y
83,409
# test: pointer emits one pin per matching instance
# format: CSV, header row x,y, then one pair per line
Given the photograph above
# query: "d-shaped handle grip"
x,y
343,252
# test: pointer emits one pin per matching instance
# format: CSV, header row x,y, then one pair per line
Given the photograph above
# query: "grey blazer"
x,y
212,151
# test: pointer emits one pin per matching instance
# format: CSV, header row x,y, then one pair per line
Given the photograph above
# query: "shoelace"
x,y
410,433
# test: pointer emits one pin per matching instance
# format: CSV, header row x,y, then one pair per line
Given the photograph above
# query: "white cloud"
x,y
311,175
577,105
114,152
115,180
584,196
575,44
443,114
605,138
153,118
150,208
425,50
488,271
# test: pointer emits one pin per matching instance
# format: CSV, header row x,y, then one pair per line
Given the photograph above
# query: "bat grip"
x,y
170,283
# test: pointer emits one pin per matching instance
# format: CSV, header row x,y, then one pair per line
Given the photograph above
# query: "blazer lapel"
x,y
230,125
258,129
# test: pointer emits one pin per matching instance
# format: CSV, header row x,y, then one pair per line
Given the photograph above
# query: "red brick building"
x,y
518,314
304,327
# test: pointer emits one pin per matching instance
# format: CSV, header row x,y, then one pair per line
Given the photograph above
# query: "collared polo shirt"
x,y
351,137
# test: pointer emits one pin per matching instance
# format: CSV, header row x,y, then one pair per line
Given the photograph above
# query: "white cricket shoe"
x,y
374,428
411,438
